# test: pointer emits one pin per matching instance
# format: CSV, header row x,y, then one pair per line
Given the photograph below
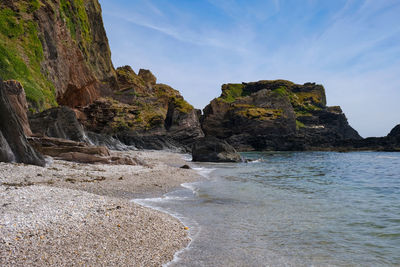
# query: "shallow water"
x,y
292,209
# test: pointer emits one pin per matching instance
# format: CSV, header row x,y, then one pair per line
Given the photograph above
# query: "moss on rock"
x,y
21,54
256,113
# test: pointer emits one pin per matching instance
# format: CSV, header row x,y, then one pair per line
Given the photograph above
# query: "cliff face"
x,y
275,115
57,49
143,113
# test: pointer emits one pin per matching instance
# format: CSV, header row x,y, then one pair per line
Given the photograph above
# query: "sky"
x,y
352,47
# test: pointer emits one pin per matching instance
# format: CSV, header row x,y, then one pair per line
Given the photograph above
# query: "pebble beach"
x,y
82,214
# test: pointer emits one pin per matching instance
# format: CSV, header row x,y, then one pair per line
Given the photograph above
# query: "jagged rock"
x,y
211,149
395,132
129,80
16,95
107,141
63,52
158,118
58,122
78,151
14,145
6,154
275,115
147,77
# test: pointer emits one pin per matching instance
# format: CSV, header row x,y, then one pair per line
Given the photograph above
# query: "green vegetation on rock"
x,y
299,124
261,113
167,94
233,91
21,53
281,91
74,14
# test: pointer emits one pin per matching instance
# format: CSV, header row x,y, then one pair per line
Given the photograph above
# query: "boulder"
x,y
60,122
14,145
78,152
17,98
6,154
211,149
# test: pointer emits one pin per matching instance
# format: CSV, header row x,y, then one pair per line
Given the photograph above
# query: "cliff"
x,y
59,52
276,115
57,49
144,113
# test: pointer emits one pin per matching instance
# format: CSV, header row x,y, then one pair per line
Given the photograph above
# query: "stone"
x,y
78,151
17,98
185,167
211,149
60,122
14,144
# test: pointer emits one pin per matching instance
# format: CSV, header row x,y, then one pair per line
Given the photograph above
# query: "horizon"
x,y
351,47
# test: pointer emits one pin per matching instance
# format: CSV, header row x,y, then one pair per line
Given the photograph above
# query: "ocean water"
x,y
292,209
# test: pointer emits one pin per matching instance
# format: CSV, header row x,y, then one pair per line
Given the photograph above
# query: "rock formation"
x,y
59,123
16,96
59,53
144,114
13,143
211,149
275,115
57,49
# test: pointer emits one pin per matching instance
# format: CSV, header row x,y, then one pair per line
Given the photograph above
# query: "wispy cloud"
x,y
350,46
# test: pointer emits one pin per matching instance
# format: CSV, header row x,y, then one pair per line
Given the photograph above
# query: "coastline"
x,y
69,213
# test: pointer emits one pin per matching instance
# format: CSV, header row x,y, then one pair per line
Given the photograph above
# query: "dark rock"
x,y
78,151
185,167
16,95
58,122
107,141
155,119
6,154
395,132
14,145
211,149
275,115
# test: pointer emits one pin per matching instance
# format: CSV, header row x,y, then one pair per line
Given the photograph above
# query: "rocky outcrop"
x,y
395,132
144,114
58,122
77,151
391,142
58,50
17,98
275,115
62,123
13,143
211,149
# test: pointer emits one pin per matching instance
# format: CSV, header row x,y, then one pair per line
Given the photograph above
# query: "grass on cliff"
x,y
167,94
21,53
263,114
74,14
233,91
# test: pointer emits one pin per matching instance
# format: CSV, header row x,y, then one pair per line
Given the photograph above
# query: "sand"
x,y
81,214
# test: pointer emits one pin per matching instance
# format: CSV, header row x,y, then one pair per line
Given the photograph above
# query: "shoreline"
x,y
93,219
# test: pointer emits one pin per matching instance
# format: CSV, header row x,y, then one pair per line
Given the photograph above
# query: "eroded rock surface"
x,y
275,115
211,149
13,143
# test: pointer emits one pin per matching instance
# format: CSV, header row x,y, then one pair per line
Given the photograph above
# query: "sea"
x,y
291,209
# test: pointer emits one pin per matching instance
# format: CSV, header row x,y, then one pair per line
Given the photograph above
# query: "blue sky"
x,y
352,47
